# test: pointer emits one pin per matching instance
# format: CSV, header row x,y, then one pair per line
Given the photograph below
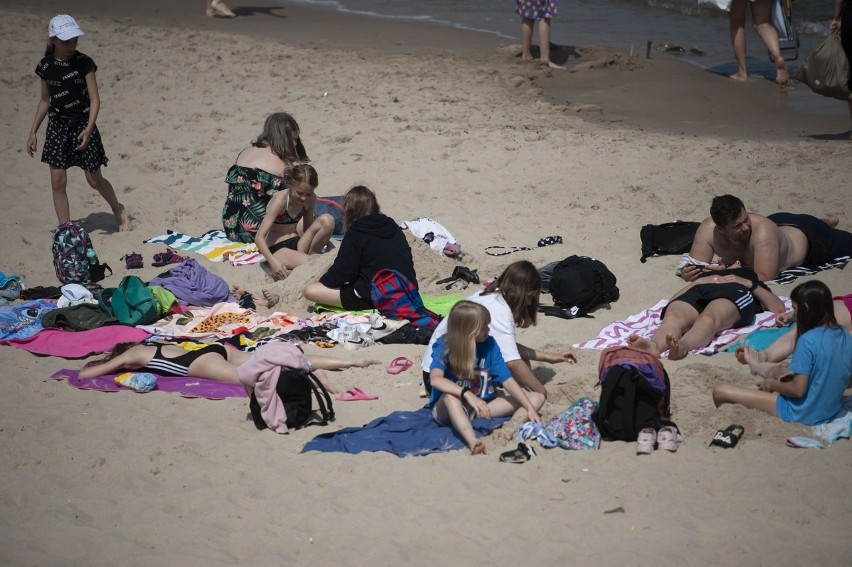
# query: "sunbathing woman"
x,y
373,241
289,232
784,345
212,362
810,390
719,300
259,173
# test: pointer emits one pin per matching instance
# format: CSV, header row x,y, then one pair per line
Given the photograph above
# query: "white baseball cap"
x,y
64,27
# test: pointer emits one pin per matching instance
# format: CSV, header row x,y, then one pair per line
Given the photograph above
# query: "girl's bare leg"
x,y
318,293
451,406
526,39
738,42
58,183
760,15
99,183
750,398
544,43
313,240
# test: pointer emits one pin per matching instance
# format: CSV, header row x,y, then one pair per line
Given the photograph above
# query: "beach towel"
x,y
792,274
79,344
23,320
213,245
759,339
422,226
440,304
838,428
647,321
192,284
403,433
188,386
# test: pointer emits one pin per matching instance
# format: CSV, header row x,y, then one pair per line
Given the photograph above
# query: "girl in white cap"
x,y
69,98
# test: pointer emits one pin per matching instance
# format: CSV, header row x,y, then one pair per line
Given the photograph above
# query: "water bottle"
x,y
92,257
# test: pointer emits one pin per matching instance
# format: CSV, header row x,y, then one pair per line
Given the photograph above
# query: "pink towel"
x,y
260,375
79,344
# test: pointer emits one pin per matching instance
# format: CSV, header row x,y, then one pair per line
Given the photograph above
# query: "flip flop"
x,y
729,437
355,394
399,365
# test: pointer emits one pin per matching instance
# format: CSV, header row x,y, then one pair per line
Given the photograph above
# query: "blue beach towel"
x,y
759,339
403,433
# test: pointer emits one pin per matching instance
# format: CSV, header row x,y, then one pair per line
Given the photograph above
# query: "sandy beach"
x,y
440,123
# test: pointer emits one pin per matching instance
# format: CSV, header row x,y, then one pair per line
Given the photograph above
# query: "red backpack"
x,y
395,297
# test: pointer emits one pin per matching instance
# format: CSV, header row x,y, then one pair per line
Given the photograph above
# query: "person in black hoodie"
x,y
373,241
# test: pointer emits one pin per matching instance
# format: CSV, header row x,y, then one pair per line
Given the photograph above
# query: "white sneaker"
x,y
353,339
669,438
381,327
645,441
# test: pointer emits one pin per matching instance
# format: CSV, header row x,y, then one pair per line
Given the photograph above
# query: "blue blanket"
x,y
403,433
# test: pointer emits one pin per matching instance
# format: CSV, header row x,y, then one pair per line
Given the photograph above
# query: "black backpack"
x,y
667,238
296,389
582,282
629,403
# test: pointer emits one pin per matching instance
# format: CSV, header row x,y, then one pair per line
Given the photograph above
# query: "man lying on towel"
x,y
769,244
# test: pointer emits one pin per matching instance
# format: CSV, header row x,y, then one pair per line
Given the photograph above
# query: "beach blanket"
x,y
213,245
838,428
23,320
759,339
791,275
646,322
403,433
79,344
188,387
440,304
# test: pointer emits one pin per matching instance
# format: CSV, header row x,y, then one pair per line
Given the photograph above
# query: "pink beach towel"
x,y
188,387
646,322
79,344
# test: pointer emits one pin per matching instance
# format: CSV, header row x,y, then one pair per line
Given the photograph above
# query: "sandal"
x,y
133,260
399,364
167,257
548,240
729,437
522,454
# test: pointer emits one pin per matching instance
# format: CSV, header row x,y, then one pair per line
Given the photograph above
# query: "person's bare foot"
x,y
122,219
782,76
272,299
831,220
478,448
753,358
364,363
676,350
739,76
218,9
553,65
642,343
238,291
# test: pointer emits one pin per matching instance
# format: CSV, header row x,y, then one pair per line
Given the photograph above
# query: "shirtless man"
x,y
768,244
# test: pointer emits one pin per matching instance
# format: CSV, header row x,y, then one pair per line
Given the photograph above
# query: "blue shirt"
x,y
488,369
824,355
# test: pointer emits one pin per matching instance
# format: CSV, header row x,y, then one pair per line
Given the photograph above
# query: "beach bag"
x,y
395,297
667,238
826,69
132,303
574,428
583,283
630,401
74,257
297,389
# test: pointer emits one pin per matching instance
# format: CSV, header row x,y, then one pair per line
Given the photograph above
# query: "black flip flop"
x,y
522,454
729,437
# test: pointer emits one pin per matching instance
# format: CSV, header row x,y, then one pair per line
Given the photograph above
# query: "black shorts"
x,y
291,243
825,243
701,295
351,302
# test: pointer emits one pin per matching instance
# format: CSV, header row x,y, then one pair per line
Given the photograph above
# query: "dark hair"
x,y
281,135
814,307
358,202
725,209
520,286
50,49
304,173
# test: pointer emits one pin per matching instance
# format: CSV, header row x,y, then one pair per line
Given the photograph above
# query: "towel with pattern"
x,y
792,274
188,386
646,322
213,245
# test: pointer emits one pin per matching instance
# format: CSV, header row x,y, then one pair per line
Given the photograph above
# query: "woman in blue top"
x,y
810,389
466,368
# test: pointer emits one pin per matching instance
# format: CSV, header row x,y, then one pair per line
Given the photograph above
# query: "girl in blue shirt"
x,y
810,389
466,368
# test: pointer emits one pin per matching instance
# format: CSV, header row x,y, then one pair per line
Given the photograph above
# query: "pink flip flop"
x,y
399,364
355,394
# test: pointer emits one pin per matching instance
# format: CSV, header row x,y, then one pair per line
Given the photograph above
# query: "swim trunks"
x,y
179,365
825,243
701,295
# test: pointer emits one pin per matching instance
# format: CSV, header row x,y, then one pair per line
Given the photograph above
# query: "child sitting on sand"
x,y
212,362
466,366
810,389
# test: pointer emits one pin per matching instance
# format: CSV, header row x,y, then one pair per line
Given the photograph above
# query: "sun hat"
x,y
64,27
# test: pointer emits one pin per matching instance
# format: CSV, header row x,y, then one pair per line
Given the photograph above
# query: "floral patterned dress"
x,y
249,192
536,9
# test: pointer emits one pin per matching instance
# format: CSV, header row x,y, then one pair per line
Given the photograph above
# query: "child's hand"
x,y
784,319
32,145
479,405
557,357
533,416
84,137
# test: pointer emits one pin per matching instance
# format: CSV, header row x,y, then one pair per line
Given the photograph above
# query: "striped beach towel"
x,y
213,245
646,322
791,275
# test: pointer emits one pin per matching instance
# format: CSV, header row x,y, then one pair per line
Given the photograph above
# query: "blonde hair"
x,y
465,321
303,173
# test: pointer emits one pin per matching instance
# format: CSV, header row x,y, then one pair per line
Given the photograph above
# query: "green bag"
x,y
164,298
132,303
